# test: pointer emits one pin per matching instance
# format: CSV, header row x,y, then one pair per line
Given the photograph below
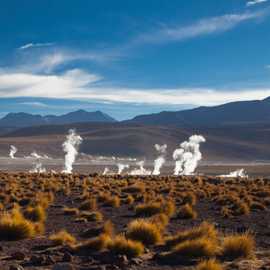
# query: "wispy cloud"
x,y
34,104
35,45
200,28
255,2
81,85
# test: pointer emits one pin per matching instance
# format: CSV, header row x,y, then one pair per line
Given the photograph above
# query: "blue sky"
x,y
132,57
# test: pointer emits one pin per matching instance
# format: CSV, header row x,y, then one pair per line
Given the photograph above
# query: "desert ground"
x,y
89,221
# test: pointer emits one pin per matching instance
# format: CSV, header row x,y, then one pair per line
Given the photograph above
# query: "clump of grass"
x,y
238,246
136,188
209,265
187,212
143,231
241,208
169,208
36,214
62,238
161,220
112,201
13,226
205,230
89,205
226,212
122,246
94,244
148,209
92,216
192,249
71,211
190,198
129,200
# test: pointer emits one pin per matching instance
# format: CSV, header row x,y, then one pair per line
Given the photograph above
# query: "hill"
x,y
234,113
19,120
224,144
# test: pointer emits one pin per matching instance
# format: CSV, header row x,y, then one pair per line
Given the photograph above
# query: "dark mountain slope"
x,y
18,120
234,113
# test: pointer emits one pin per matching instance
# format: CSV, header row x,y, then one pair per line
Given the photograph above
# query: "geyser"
x,y
188,155
70,147
158,163
141,170
13,150
238,173
121,167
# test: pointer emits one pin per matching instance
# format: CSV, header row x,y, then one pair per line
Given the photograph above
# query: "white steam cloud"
x,y
158,163
70,147
38,168
238,173
141,170
188,155
13,150
121,167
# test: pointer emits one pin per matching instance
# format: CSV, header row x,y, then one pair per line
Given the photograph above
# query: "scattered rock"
x,y
67,257
136,261
49,260
63,266
37,259
15,267
18,255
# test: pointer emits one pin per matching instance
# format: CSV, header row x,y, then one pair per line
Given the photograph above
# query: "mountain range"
x,y
237,131
19,120
233,113
229,114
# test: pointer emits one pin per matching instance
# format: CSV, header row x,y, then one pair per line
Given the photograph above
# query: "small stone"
x,y
67,257
49,260
136,261
37,260
18,255
63,266
121,260
15,267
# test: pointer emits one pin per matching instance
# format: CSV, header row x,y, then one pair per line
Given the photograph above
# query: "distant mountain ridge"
x,y
19,120
233,113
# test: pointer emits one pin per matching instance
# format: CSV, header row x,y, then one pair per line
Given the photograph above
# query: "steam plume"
x,y
70,147
38,168
122,167
238,173
141,170
13,151
106,171
158,163
188,155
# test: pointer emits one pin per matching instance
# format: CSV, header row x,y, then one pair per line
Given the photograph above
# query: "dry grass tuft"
x,y
144,231
238,246
122,246
13,226
62,238
36,214
192,249
205,230
187,212
94,244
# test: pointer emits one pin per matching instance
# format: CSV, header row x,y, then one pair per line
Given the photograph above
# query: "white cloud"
x,y
200,28
35,104
255,2
34,45
77,84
